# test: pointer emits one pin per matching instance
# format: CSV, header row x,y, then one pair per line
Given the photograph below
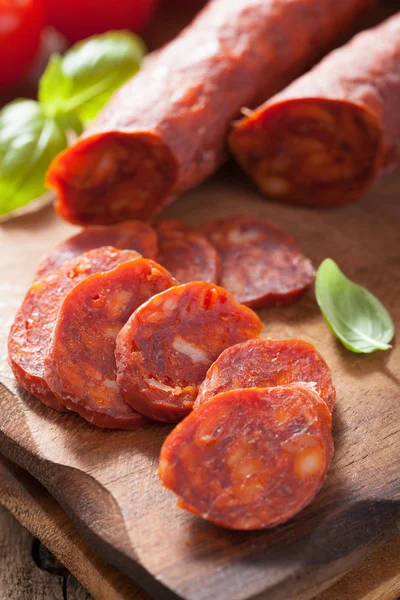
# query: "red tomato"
x,y
78,19
21,23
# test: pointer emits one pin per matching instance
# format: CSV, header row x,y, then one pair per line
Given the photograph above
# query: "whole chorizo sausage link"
x,y
325,139
165,130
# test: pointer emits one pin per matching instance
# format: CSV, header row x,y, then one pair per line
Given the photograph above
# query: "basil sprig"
x,y
355,316
73,88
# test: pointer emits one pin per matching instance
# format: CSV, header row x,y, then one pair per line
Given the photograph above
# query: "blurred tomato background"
x,y
31,29
21,25
78,19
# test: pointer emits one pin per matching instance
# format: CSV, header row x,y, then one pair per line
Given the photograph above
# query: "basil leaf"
x,y
354,315
82,80
29,140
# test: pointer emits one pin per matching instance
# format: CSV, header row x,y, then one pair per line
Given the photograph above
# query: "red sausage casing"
x,y
326,138
165,130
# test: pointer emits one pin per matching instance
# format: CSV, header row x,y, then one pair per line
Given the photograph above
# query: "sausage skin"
x,y
80,365
329,135
168,344
267,363
250,458
260,264
32,330
165,130
131,235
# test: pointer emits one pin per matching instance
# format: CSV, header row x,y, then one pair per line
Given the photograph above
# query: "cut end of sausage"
x,y
112,177
310,151
250,458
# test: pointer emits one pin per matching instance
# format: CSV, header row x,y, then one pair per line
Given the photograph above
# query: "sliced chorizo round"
x,y
250,458
129,235
260,264
167,346
32,329
80,365
187,254
267,363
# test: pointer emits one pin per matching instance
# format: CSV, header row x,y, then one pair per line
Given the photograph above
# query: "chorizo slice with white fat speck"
x,y
80,366
250,458
167,346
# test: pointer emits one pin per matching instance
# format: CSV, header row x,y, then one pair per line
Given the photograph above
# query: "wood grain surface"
x,y
20,579
107,480
37,510
376,578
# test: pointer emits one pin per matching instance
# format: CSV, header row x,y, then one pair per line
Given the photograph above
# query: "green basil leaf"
x,y
354,315
29,140
82,80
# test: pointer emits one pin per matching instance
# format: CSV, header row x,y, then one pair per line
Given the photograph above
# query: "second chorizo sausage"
x,y
327,137
165,130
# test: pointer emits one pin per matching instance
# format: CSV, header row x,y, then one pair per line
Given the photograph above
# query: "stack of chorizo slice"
x,y
257,447
260,258
165,130
31,332
80,365
114,337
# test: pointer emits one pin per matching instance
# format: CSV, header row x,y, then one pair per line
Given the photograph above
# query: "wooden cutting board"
x,y
376,578
107,480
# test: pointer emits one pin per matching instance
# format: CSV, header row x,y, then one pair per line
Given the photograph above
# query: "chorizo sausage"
x,y
250,458
266,363
32,329
328,136
260,264
132,235
165,130
186,253
80,365
166,347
